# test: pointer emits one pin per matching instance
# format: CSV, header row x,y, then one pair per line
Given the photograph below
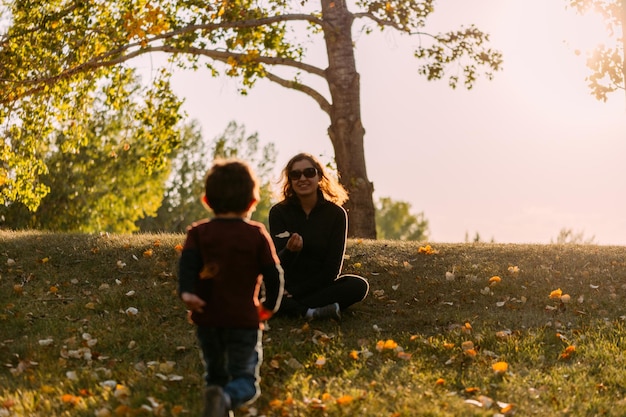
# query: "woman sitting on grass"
x,y
309,230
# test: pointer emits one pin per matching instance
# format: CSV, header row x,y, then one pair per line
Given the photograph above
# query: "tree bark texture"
x,y
346,131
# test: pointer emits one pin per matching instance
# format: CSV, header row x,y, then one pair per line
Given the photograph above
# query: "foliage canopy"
x,y
56,54
606,62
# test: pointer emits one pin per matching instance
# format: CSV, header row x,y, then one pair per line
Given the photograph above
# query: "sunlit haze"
x,y
516,159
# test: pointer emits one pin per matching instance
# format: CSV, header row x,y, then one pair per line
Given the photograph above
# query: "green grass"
x,y
68,347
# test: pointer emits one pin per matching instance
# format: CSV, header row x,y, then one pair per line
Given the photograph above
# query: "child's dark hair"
x,y
230,186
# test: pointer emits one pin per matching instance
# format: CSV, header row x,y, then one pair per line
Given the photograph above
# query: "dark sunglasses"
x,y
307,172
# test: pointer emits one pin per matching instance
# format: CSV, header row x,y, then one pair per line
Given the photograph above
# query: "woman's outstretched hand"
x,y
294,243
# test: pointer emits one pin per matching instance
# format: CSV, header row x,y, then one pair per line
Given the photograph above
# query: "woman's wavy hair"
x,y
329,186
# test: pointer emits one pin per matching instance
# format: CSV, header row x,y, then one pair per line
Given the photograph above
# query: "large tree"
x,y
607,62
55,51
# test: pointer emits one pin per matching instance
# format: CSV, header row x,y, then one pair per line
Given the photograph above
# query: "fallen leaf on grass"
x,y
131,311
567,352
388,344
556,294
503,334
345,399
500,367
321,361
427,250
46,342
70,399
121,392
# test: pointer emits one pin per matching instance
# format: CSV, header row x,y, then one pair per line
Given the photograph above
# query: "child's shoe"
x,y
215,402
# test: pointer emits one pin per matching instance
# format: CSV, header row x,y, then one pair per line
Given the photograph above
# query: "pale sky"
x,y
516,159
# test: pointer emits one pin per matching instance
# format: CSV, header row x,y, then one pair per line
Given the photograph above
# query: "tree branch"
x,y
224,55
310,91
388,23
122,53
240,24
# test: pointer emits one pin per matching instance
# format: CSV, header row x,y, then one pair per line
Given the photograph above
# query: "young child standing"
x,y
223,265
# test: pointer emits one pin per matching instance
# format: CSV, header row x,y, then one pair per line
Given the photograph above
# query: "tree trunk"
x,y
346,131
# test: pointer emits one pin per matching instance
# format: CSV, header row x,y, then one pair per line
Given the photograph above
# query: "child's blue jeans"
x,y
232,358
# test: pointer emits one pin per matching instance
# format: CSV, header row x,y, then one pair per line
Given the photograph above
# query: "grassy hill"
x,y
91,325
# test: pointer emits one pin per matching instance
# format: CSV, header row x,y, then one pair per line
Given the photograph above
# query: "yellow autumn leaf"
x,y
121,392
500,367
344,399
427,250
70,399
494,280
386,345
567,352
470,353
556,294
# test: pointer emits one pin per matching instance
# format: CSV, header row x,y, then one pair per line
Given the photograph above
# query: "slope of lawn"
x,y
90,325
